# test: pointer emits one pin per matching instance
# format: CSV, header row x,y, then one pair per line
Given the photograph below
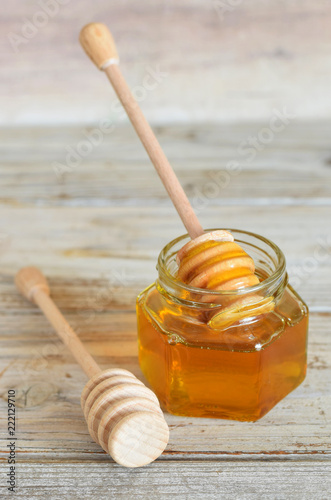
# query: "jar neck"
x,y
269,263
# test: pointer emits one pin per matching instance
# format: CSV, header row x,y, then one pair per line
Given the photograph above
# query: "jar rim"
x,y
266,283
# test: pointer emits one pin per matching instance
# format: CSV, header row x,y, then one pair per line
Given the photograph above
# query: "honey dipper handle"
x,y
100,47
33,285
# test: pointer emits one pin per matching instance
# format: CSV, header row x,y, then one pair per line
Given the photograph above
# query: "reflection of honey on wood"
x,y
239,372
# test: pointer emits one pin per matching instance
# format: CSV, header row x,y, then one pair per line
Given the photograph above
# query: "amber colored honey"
x,y
239,373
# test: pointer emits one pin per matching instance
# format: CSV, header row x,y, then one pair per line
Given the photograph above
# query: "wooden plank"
x,y
209,142
258,56
293,169
298,144
119,246
204,480
128,184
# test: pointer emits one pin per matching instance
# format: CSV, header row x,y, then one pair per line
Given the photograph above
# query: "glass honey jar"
x,y
204,358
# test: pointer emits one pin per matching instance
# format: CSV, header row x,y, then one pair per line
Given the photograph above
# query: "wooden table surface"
x,y
96,232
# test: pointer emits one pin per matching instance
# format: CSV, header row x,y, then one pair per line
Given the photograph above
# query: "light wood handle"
x,y
29,280
33,285
99,46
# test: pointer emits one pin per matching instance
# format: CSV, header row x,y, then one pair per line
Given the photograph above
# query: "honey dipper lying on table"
x,y
122,414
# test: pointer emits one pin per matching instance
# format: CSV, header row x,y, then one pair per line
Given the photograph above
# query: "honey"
x,y
237,369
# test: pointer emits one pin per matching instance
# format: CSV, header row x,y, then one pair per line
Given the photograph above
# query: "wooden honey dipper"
x,y
122,414
211,260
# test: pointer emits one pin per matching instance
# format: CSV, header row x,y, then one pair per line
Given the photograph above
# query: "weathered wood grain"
x,y
210,480
119,245
96,235
258,56
288,170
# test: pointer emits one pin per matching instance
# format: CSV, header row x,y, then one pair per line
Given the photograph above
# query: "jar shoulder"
x,y
189,325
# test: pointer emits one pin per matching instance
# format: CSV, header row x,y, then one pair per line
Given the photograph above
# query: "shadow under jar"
x,y
206,357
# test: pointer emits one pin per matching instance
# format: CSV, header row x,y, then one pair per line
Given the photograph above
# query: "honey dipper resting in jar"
x,y
214,261
211,260
213,340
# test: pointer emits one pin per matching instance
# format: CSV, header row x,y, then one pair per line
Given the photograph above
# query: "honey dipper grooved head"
x,y
218,235
100,377
103,386
124,417
138,439
214,261
111,396
119,410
